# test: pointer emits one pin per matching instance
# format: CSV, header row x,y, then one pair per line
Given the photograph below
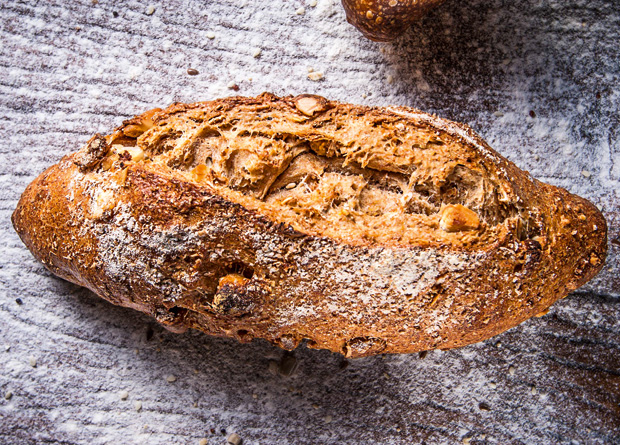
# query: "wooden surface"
x,y
538,79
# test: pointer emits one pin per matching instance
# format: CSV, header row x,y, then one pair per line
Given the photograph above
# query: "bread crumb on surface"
x,y
389,79
328,419
511,370
33,362
466,440
257,52
203,442
498,114
123,395
150,10
234,439
171,379
586,173
138,406
315,75
232,85
8,395
210,35
312,3
300,11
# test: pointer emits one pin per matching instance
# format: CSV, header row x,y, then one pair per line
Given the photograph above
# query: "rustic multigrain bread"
x,y
363,230
385,20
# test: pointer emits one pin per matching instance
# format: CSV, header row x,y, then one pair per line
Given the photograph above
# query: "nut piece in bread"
x,y
385,20
361,230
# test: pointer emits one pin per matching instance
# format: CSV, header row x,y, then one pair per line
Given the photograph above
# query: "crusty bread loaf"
x,y
385,20
363,230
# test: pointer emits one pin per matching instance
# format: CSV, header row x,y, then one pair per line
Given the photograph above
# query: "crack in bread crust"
x,y
145,220
359,175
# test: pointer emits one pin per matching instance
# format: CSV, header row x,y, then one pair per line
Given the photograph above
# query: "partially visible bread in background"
x,y
362,230
385,20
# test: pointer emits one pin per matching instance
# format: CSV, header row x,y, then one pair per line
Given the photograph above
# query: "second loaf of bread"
x,y
363,230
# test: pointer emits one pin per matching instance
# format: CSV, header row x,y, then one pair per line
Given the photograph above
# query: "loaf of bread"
x,y
360,230
385,20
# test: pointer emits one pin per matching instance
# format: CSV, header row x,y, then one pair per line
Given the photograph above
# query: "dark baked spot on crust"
x,y
238,296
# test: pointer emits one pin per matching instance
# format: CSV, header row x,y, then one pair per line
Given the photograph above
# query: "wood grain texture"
x,y
538,79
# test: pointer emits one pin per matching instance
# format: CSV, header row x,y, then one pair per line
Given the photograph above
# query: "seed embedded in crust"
x,y
458,218
309,104
200,171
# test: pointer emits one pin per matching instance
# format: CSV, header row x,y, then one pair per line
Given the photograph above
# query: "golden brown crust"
x,y
142,230
384,20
